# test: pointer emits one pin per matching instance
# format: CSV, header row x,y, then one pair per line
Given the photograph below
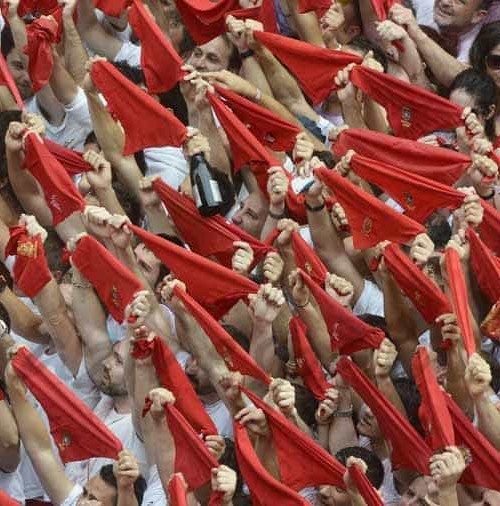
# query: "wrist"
x,y
314,201
416,34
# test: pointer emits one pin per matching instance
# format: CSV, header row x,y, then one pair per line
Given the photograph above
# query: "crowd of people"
x,y
249,252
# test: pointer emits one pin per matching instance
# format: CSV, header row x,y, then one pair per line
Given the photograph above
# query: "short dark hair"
x,y
108,476
487,39
133,74
365,45
238,336
306,404
410,397
375,470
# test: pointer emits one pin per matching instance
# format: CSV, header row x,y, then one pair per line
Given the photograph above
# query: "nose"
x,y
237,218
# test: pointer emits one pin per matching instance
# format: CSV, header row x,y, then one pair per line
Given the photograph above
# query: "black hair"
x,y
487,39
485,5
375,469
238,336
174,100
485,93
375,321
133,74
106,474
306,404
4,315
53,251
326,157
439,230
127,200
164,270
7,41
364,45
410,397
91,139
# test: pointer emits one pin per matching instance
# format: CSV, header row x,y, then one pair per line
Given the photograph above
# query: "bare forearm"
x,y
108,199
488,419
75,54
386,386
9,440
307,25
62,84
252,72
262,346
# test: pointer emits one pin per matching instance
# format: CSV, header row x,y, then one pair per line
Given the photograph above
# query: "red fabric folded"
x,y
458,294
302,462
7,80
176,491
6,500
371,220
31,6
381,8
192,457
172,377
365,488
218,289
264,13
159,60
307,259
78,433
71,160
236,358
2,394
113,8
439,164
348,334
319,7
433,412
264,488
42,34
419,196
269,129
482,471
409,450
314,67
426,296
115,284
146,123
208,236
485,266
412,111
490,227
60,193
307,362
31,272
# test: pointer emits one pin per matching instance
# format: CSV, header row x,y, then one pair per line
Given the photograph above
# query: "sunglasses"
x,y
493,61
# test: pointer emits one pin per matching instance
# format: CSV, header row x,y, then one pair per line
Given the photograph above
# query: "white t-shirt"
x,y
154,494
371,300
76,125
167,162
130,53
221,417
12,484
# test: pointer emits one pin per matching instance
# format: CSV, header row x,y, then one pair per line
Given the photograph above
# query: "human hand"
x,y
167,293
346,92
272,267
265,305
149,198
353,461
196,143
252,26
254,420
302,153
384,358
119,232
126,471
404,17
227,79
300,292
215,445
390,31
12,380
159,397
33,228
477,376
230,384
224,479
421,249
100,178
277,186
327,407
236,33
138,309
14,137
450,331
283,394
447,467
333,19
339,289
242,258
339,218
286,227
96,220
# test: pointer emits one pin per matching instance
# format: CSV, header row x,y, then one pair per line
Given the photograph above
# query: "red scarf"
x,y
307,259
490,227
439,164
209,237
146,123
6,500
371,221
425,295
458,294
264,13
433,412
381,8
307,362
115,284
159,60
409,450
176,491
71,160
31,272
365,488
61,195
319,7
113,8
78,433
218,289
419,196
7,80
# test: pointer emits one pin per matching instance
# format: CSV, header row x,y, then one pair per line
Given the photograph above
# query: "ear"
x,y
478,16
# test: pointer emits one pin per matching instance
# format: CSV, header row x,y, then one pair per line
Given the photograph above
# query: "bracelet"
x,y
343,414
315,209
277,216
247,54
301,306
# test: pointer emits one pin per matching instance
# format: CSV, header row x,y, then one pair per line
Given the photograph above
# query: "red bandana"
x,y
31,272
115,284
78,433
458,293
381,8
146,123
113,8
71,160
176,491
490,227
409,450
371,220
307,259
308,364
264,13
60,193
159,61
426,296
439,164
218,289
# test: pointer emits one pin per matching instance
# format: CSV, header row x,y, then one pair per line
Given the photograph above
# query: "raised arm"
x,y
9,439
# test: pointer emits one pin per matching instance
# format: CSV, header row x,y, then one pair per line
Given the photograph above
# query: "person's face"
x,y
113,374
493,64
251,215
463,99
97,493
457,14
211,57
368,425
198,378
333,496
421,492
148,263
20,74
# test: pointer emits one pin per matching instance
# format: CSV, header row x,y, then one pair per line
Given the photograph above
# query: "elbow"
x,y
10,455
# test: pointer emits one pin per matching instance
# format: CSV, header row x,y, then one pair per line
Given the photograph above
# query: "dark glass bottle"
x,y
206,191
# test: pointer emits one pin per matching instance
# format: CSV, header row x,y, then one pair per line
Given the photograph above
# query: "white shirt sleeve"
x,y
130,53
